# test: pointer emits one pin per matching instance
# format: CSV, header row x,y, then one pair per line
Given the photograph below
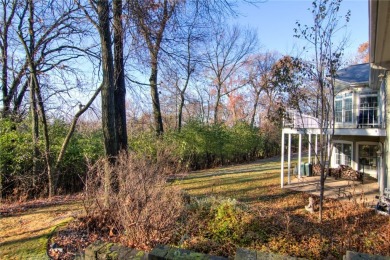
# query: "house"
x,y
379,39
361,111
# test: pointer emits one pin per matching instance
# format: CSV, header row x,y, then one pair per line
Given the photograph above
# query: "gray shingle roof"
x,y
358,73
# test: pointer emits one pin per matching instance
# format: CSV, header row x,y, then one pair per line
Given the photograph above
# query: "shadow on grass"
x,y
50,209
25,248
23,233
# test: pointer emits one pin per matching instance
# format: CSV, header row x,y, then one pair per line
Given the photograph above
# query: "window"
x,y
339,111
348,110
343,153
343,108
367,157
368,110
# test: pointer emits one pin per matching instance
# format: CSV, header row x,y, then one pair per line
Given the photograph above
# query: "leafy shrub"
x,y
16,149
199,145
226,223
16,158
222,219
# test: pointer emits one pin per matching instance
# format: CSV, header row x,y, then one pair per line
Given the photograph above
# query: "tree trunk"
x,y
107,93
33,105
119,78
4,76
45,134
180,112
34,129
155,98
322,156
217,105
255,109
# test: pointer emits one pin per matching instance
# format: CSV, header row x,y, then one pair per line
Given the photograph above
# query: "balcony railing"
x,y
354,118
295,119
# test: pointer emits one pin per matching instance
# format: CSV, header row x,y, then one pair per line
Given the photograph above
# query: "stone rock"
x,y
350,255
310,206
245,254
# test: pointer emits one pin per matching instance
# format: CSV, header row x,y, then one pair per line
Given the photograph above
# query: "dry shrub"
x,y
143,208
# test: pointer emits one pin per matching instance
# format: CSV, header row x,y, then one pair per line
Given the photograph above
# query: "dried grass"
x,y
142,208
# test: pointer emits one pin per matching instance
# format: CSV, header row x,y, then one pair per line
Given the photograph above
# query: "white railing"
x,y
295,119
359,118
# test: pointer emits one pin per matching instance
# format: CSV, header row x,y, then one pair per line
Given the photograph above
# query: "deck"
x,y
339,189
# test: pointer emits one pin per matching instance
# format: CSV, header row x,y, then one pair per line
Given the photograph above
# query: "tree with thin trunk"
x,y
152,20
47,42
327,52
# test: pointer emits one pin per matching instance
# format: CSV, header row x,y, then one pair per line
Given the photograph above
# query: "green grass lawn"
x,y
254,183
25,234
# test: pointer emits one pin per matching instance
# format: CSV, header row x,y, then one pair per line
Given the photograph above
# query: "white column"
x,y
309,160
315,150
299,155
289,158
282,162
381,170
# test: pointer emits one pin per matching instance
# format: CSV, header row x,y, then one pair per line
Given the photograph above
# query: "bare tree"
x,y
327,59
260,78
226,52
151,20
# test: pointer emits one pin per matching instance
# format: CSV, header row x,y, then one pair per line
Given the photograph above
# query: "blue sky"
x,y
275,21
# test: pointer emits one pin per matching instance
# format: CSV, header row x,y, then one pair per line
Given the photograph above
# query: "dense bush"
x,y
16,158
196,146
199,146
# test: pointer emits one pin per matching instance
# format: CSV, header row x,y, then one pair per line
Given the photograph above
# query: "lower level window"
x,y
367,157
343,153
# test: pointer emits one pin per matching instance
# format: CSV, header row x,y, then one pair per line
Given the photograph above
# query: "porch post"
x,y
309,161
299,155
381,170
282,162
315,150
289,158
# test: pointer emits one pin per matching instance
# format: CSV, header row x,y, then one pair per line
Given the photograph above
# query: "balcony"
x,y
363,121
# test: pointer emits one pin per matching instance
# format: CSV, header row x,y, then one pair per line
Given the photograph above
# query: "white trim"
x,y
282,162
289,159
299,156
309,155
316,150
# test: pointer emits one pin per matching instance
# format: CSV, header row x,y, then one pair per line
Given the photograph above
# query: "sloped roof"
x,y
358,73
